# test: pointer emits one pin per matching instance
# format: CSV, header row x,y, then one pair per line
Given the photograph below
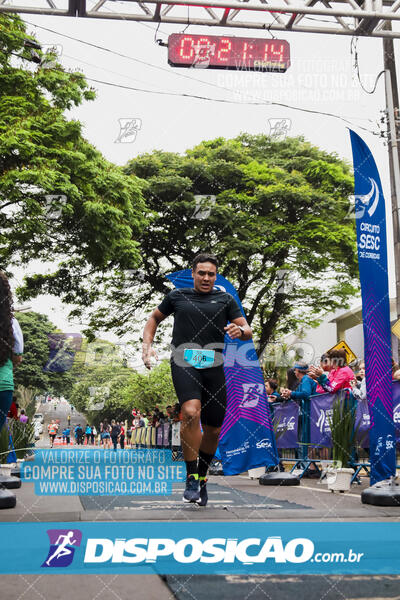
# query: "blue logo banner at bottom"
x,y
204,548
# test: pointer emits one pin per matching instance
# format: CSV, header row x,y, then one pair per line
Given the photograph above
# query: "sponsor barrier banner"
x,y
201,548
159,435
176,434
247,440
320,411
372,260
363,423
396,410
286,421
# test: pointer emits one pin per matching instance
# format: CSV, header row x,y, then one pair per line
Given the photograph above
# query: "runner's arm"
x,y
149,332
234,332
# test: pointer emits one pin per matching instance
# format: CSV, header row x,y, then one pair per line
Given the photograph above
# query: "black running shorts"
x,y
206,385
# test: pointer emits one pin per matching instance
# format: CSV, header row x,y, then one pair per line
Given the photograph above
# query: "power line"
x,y
264,103
353,50
260,103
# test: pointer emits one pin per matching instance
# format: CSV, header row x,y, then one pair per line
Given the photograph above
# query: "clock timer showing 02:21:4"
x,y
228,52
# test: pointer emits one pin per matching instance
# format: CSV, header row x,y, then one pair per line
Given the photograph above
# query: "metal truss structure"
x,y
371,18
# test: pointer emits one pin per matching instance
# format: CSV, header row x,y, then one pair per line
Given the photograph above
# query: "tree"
x,y
276,217
98,394
155,387
117,390
60,200
32,376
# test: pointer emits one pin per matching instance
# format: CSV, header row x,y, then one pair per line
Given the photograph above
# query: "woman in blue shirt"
x,y
306,387
11,347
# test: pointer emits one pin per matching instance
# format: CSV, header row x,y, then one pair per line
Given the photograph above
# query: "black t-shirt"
x,y
115,431
199,318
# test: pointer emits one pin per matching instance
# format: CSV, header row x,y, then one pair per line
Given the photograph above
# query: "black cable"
x,y
265,103
353,49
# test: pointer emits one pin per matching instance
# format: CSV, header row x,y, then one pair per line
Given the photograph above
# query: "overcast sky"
x,y
321,78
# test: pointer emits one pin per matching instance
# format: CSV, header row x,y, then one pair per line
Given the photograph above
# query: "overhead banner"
x,y
247,440
372,260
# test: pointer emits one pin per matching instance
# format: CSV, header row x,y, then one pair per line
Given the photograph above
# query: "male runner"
x,y
201,315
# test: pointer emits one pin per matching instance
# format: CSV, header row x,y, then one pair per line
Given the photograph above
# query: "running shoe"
x,y
192,492
203,493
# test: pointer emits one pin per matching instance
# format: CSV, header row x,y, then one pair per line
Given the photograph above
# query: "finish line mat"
x,y
219,496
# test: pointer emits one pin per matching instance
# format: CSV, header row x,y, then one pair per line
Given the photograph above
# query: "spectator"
x,y
105,437
93,434
122,435
115,432
23,418
292,381
88,433
395,370
339,375
11,347
78,434
13,412
359,384
395,367
271,387
306,387
66,435
176,415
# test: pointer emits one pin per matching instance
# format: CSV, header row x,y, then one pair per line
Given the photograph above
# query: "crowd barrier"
x,y
163,436
303,434
304,437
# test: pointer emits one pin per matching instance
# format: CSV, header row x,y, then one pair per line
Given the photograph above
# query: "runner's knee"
x,y
190,413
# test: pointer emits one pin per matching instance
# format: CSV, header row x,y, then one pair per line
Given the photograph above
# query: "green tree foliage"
x,y
152,388
281,210
31,376
117,390
60,200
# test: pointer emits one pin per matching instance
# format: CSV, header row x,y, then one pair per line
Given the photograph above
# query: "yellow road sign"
x,y
396,329
342,345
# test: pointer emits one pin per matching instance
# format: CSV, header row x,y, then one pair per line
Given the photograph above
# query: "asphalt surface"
x,y
233,499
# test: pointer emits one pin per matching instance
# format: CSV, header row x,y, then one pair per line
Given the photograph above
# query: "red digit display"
x,y
226,52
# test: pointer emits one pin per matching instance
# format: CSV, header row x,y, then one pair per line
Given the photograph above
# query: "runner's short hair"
x,y
204,257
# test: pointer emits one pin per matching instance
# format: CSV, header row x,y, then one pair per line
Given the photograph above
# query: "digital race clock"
x,y
226,52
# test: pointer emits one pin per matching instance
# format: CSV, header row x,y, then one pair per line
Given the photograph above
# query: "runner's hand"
x,y
147,354
233,331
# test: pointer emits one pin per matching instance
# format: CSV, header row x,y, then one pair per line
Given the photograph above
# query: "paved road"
x,y
60,410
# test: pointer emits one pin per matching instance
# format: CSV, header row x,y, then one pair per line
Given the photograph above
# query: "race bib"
x,y
198,358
